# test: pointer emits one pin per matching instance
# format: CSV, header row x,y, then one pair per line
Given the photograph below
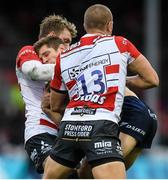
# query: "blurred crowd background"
x,y
143,22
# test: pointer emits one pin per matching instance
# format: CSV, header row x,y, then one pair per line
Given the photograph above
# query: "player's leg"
x,y
130,152
104,152
85,171
111,170
38,148
54,170
128,143
131,157
64,156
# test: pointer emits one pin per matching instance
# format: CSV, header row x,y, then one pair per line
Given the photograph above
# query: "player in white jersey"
x,y
137,125
93,72
40,131
32,73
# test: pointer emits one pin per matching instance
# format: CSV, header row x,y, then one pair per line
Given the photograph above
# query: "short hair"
x,y
97,16
50,41
56,23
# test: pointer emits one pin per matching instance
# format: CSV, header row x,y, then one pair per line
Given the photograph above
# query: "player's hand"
x,y
45,103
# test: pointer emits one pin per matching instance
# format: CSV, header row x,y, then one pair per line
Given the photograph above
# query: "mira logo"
x,y
102,144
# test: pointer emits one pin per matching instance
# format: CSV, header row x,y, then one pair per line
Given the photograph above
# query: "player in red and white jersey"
x,y
32,76
96,77
137,125
32,73
93,72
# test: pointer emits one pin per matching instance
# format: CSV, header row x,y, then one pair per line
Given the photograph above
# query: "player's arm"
x,y
58,93
30,64
128,92
35,70
57,105
147,76
137,64
54,116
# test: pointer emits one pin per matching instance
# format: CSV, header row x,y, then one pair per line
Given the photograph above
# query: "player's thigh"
x,y
128,143
111,170
38,148
54,170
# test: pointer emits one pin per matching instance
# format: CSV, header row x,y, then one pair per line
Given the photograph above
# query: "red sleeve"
x,y
56,82
125,46
27,53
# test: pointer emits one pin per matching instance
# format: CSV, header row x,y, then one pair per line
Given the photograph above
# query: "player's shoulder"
x,y
122,43
26,49
121,40
26,53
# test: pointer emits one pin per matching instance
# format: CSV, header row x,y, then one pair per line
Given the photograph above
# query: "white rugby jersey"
x,y
93,71
32,91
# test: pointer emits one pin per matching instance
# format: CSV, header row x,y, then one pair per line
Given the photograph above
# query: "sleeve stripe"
x,y
59,91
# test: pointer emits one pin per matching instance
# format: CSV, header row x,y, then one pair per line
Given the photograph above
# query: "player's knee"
x,y
49,170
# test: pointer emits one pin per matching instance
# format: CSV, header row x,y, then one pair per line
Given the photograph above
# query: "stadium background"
x,y
144,22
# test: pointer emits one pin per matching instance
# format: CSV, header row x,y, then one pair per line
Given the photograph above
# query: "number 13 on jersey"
x,y
98,81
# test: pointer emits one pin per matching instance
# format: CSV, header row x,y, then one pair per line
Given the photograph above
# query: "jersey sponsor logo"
x,y
81,111
123,124
77,131
33,155
124,41
102,144
119,149
138,130
103,147
152,115
95,98
27,51
73,46
74,71
45,147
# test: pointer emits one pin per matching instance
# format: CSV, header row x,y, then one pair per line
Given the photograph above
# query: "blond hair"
x,y
56,24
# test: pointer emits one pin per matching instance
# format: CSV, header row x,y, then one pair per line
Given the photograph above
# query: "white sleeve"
x,y
35,70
